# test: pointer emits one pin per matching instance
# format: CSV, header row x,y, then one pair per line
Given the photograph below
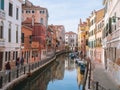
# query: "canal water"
x,y
62,74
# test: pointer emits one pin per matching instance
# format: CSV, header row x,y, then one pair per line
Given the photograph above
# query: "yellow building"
x,y
83,29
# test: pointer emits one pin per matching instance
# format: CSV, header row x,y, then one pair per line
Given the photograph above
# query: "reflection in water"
x,y
79,76
61,74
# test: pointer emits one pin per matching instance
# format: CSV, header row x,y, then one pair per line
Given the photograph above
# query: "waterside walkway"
x,y
18,74
100,79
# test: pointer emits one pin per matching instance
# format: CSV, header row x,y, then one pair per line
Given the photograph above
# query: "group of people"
x,y
19,61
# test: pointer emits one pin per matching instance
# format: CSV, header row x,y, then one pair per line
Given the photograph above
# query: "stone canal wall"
x,y
15,76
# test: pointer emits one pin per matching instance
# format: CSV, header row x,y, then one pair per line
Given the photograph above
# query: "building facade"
x,y
71,40
38,38
83,29
40,14
10,31
92,35
111,40
60,34
98,35
26,42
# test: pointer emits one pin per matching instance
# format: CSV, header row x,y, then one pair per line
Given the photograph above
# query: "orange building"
x,y
51,37
38,37
26,43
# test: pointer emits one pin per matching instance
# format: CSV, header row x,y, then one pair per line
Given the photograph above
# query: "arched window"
x,y
41,20
1,29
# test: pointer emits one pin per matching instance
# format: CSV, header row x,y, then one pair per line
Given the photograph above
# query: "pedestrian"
x,y
22,60
8,67
17,62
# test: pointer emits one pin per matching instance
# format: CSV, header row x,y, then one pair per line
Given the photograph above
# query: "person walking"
x,y
17,62
8,67
22,60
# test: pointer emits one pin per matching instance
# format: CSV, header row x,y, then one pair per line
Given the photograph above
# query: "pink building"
x,y
40,14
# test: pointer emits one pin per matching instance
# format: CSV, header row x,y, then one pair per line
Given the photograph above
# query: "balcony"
x,y
2,14
2,42
116,30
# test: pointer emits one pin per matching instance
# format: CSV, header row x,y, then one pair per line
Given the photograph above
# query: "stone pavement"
x,y
99,74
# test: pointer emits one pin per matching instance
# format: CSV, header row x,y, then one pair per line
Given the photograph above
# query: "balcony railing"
x,y
116,30
2,14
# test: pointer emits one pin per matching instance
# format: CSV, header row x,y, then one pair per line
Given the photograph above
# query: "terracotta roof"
x,y
27,27
70,32
32,7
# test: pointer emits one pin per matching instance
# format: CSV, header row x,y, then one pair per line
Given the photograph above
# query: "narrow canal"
x,y
62,74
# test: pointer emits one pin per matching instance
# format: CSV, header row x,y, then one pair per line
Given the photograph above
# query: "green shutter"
x,y
2,4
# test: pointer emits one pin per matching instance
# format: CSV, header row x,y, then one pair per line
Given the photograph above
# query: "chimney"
x,y
80,21
33,20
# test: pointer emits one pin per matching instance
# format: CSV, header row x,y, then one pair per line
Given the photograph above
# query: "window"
x,y
41,20
22,38
13,55
6,56
1,30
42,12
17,13
10,9
2,4
17,34
16,54
33,11
27,11
9,33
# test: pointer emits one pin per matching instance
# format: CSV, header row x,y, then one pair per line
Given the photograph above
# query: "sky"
x,y
68,12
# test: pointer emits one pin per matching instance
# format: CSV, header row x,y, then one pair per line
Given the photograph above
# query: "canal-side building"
x,y
94,35
111,40
71,40
40,13
98,35
10,31
98,43
38,37
83,29
60,33
26,42
51,38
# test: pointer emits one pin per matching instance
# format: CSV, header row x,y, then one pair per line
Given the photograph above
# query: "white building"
x,y
111,38
92,34
10,31
71,40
